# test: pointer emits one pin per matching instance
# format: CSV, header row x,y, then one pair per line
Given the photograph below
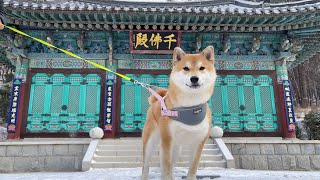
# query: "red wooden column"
x,y
282,74
286,133
17,134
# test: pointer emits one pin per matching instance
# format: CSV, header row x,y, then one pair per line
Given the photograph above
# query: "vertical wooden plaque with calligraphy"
x,y
288,102
14,105
109,106
154,42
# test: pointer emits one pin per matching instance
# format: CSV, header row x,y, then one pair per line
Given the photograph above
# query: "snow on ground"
x,y
134,174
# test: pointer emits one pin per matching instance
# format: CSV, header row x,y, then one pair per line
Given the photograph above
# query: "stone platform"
x,y
274,153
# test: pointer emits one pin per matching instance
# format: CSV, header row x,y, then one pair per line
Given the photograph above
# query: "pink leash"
x,y
164,110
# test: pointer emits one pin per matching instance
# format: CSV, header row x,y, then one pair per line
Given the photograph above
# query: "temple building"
x,y
55,95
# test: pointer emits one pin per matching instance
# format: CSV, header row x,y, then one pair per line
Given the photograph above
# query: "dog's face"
x,y
193,73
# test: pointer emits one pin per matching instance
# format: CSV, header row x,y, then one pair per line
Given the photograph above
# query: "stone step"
x,y
219,164
138,147
139,152
96,158
135,141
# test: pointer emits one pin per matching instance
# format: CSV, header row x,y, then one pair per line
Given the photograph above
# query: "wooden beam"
x,y
188,19
245,20
221,18
95,15
155,17
263,20
256,20
23,13
172,18
277,20
122,18
34,15
61,16
229,20
290,18
19,15
70,16
196,19
104,16
163,19
87,17
52,15
179,18
213,18
306,18
238,19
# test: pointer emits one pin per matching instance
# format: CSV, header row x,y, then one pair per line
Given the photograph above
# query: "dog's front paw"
x,y
191,177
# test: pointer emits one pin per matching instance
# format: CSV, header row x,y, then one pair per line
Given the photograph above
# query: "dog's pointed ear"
x,y
208,53
178,54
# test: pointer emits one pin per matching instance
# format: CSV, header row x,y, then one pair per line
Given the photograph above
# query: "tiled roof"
x,y
241,7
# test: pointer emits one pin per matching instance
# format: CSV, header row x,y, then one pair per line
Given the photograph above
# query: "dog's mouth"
x,y
194,86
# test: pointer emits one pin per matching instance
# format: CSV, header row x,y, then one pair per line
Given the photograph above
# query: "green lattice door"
x,y
60,103
244,103
239,103
134,101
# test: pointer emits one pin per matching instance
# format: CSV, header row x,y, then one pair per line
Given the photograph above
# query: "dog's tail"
x,y
162,92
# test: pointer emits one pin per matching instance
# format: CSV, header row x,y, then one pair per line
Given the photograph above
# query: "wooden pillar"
x,y
17,134
282,74
281,104
21,73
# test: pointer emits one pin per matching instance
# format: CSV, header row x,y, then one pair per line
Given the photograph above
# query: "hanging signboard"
x,y
288,101
154,42
14,105
109,106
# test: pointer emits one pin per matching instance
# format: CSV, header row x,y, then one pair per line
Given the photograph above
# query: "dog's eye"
x,y
186,69
202,68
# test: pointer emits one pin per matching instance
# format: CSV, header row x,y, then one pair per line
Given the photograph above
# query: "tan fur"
x,y
155,123
161,92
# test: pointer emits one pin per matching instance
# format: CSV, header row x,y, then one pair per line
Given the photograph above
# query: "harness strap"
x,y
164,109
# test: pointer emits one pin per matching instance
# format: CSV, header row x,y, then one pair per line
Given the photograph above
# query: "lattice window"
x,y
231,80
74,97
249,99
58,78
233,100
266,101
76,79
216,101
40,78
56,98
129,99
91,99
248,80
93,79
38,99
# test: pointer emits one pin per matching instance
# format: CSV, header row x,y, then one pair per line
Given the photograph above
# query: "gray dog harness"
x,y
191,115
188,115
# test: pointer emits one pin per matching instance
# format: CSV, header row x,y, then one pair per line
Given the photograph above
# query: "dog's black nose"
x,y
194,79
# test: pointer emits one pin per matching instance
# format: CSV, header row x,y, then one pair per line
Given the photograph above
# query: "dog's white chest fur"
x,y
183,134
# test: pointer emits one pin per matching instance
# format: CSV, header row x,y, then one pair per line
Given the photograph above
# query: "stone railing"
x,y
274,154
42,155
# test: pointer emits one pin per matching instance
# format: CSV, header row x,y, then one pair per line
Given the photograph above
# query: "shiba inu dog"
x,y
191,85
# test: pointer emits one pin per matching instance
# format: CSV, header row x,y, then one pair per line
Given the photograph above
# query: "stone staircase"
x,y
127,153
